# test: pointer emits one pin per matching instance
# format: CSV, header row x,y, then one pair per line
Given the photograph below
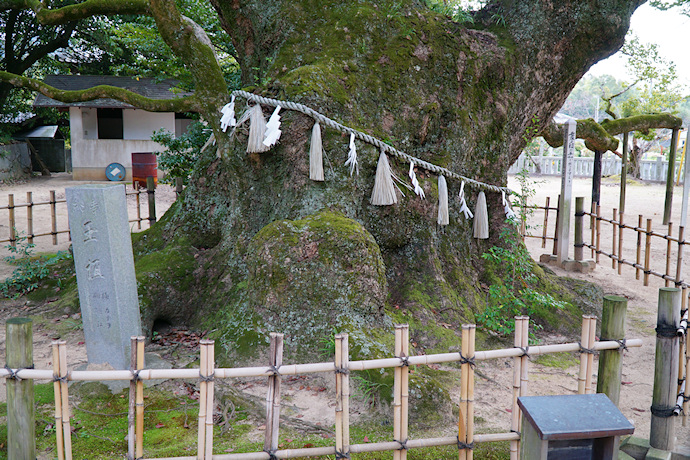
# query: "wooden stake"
x,y
139,448
598,222
131,414
470,392
555,231
203,384
29,217
614,240
58,401
401,398
584,338
137,194
590,356
620,241
21,417
593,226
546,222
464,381
66,428
13,224
345,391
679,263
668,202
210,398
397,393
515,414
669,246
579,221
338,361
610,361
638,258
273,396
151,194
687,385
647,251
53,217
524,365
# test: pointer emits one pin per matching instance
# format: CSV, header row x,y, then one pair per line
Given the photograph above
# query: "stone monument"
x,y
104,263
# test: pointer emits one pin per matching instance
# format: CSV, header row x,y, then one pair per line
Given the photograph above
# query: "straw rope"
x,y
324,120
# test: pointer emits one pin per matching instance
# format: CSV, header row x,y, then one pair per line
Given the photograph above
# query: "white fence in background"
x,y
651,170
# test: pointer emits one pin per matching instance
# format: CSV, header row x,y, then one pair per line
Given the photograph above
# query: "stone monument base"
x,y
570,265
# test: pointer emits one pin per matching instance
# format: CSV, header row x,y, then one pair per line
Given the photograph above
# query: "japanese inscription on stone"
x,y
104,264
566,191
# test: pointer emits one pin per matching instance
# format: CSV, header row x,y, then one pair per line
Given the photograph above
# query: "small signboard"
x,y
115,172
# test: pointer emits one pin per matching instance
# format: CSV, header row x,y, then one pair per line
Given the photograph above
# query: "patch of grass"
x,y
557,360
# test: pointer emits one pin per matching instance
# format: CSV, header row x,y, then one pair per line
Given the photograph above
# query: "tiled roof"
x,y
147,87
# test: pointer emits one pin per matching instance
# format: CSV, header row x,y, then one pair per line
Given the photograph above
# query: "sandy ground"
x,y
312,400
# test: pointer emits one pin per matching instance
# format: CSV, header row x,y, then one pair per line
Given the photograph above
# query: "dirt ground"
x,y
494,379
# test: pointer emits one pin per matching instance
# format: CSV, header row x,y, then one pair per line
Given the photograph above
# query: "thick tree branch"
x,y
599,136
77,11
56,43
181,104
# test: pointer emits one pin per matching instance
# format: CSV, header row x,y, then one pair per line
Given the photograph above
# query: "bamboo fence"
x,y
341,366
57,207
527,213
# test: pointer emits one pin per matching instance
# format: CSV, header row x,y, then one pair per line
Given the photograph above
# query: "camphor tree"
x,y
253,245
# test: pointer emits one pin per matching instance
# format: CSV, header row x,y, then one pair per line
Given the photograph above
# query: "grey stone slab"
x,y
104,264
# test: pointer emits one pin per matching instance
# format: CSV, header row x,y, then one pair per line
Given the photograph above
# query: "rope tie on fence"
x,y
525,352
664,411
403,445
207,378
271,454
135,375
589,351
668,331
682,395
13,374
342,370
64,378
339,455
274,370
404,361
621,343
469,361
464,445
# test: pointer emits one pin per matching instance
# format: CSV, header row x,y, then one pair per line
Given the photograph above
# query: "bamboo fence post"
x,y
21,418
598,224
400,416
679,264
30,217
515,414
579,221
339,406
647,251
464,394
546,222
13,224
590,356
151,194
66,428
611,361
614,239
555,231
139,438
584,339
53,217
137,194
668,202
524,365
58,402
470,392
345,391
620,241
638,257
686,394
624,173
210,398
273,395
592,226
661,434
669,247
681,365
203,383
131,417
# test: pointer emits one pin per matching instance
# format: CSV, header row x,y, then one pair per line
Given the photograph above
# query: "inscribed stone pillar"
x,y
564,206
102,248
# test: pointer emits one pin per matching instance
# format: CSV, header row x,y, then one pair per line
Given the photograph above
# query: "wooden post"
x,y
593,226
58,402
589,387
210,399
546,222
151,193
624,173
579,217
64,394
598,222
466,422
131,413
610,361
179,186
647,251
203,385
686,185
614,239
345,389
638,258
21,419
669,246
13,223
470,392
584,342
273,395
53,217
524,365
401,390
555,230
137,195
139,447
668,203
596,178
517,361
679,261
620,241
662,433
29,217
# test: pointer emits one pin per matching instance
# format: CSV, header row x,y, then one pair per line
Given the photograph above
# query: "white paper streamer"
x,y
273,129
442,201
316,154
228,118
383,193
463,204
506,207
415,183
352,156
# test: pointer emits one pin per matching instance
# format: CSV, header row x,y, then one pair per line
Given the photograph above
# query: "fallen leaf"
x,y
159,425
366,439
639,410
626,383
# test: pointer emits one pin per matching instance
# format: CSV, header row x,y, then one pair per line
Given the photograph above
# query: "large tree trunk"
x,y
460,97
